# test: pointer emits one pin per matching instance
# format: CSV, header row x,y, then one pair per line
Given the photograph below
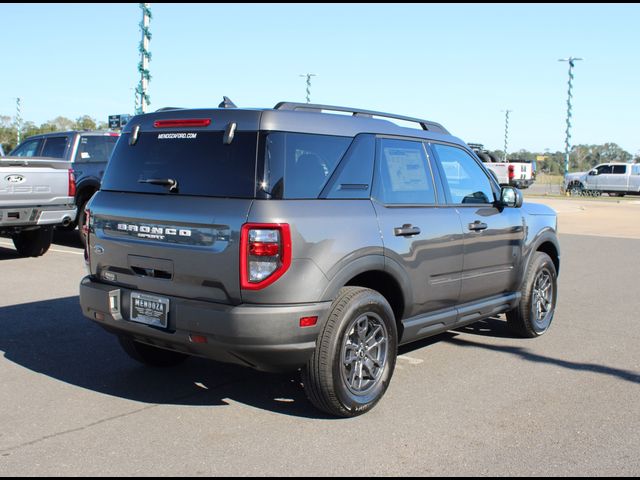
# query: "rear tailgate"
x,y
34,182
173,199
169,245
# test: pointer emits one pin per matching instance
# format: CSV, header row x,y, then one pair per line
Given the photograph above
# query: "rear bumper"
x,y
264,337
32,216
522,183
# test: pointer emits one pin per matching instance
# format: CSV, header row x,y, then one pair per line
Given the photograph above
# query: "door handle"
x,y
406,230
477,226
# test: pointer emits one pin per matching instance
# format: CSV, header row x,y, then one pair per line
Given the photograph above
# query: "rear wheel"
x,y
150,355
33,243
534,314
355,355
82,220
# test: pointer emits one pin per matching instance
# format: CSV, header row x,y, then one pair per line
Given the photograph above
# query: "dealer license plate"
x,y
149,309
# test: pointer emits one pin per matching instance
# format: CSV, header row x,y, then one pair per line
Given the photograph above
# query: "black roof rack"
x,y
356,112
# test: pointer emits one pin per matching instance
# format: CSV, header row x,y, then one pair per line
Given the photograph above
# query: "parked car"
x,y
294,238
517,173
86,152
35,196
617,179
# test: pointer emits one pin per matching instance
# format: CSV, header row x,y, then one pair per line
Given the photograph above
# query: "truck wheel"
x,y
150,355
355,354
81,219
534,314
33,243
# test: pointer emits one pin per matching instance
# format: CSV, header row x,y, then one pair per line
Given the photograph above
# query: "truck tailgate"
x,y
34,182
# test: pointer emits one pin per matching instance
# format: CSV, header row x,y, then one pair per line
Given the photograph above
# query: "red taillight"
x,y
308,322
265,254
86,228
512,173
72,183
183,122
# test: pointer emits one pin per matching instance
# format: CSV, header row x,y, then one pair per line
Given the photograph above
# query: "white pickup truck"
x,y
36,194
519,174
617,179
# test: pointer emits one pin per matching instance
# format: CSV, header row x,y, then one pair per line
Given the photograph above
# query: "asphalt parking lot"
x,y
476,401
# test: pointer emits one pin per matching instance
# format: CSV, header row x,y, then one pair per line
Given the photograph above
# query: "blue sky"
x,y
457,64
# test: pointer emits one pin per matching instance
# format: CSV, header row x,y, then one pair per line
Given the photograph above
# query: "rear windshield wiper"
x,y
166,182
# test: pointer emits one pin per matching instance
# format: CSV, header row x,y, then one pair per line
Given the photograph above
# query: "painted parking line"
x,y
73,252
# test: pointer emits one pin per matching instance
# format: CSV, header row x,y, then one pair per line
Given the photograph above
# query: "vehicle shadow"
x,y
53,338
67,238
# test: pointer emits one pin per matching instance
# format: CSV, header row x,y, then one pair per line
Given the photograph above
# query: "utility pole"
x,y
567,143
308,75
506,131
143,66
18,118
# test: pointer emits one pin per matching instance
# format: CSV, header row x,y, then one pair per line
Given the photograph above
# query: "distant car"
x,y
617,179
87,153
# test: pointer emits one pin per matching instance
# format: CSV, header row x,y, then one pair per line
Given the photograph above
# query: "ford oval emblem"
x,y
14,178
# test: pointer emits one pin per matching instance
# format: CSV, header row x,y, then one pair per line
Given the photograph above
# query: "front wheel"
x,y
534,314
355,355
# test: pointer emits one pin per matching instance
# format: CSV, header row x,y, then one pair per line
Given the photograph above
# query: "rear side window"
x,y
620,169
55,147
28,148
298,165
199,161
94,148
635,169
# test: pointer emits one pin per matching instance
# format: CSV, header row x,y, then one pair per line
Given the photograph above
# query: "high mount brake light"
x,y
265,254
183,122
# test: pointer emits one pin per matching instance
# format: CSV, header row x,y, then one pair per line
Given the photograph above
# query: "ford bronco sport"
x,y
297,238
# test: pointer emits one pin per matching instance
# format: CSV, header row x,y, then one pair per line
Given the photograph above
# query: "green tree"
x,y
85,123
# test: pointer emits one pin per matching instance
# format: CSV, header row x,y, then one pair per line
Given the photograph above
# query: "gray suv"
x,y
307,237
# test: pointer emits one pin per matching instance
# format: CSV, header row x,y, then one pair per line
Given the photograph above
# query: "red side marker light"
x,y
308,321
197,338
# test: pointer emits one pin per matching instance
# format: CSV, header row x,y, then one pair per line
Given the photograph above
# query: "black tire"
x,y
576,189
33,243
81,220
361,314
534,314
150,355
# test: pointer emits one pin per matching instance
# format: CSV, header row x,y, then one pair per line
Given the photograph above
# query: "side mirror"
x,y
511,197
593,172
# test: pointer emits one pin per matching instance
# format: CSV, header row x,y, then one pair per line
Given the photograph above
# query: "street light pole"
x,y
143,66
308,75
506,131
18,118
567,143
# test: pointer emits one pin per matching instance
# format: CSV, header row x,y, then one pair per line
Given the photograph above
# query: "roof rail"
x,y
356,112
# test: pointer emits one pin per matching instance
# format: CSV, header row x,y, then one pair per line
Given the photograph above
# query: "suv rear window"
x,y
200,162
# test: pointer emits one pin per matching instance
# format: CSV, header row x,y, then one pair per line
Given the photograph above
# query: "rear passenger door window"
x,y
403,173
465,179
55,147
